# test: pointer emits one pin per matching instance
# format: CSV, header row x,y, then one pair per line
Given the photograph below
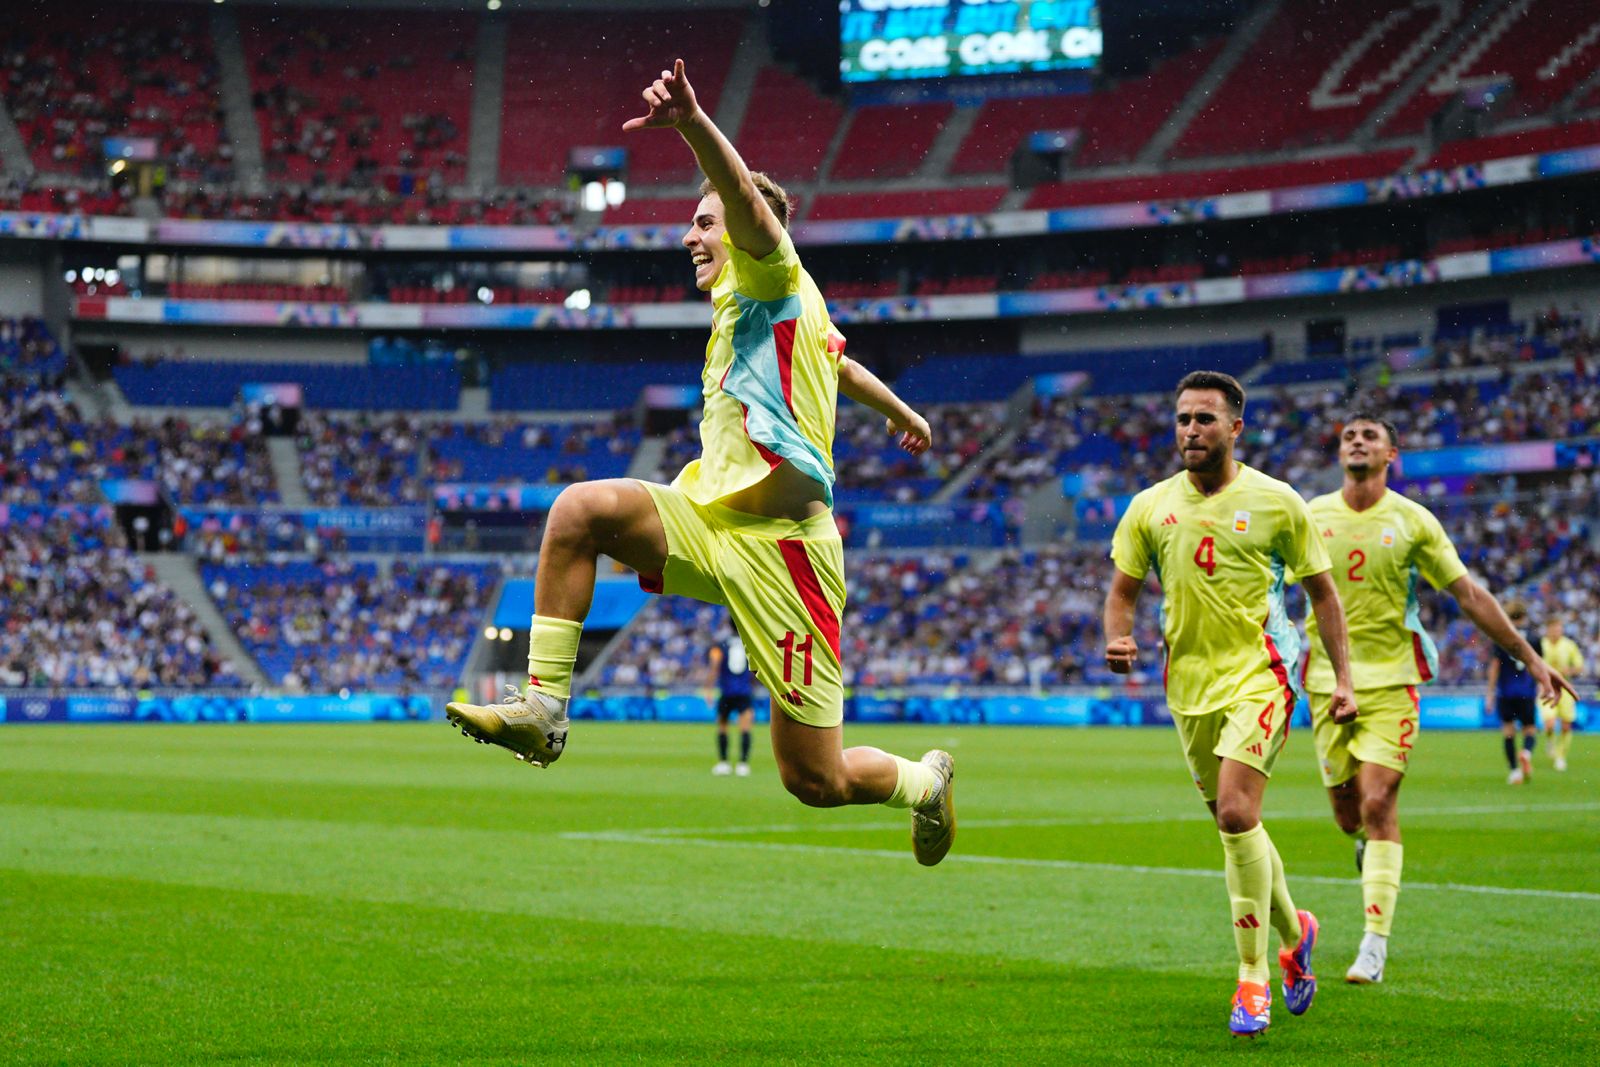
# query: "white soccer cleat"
x,y
1561,763
1370,958
1525,764
722,769
532,725
742,770
1515,777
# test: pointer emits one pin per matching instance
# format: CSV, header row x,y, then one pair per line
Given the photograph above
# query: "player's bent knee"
x,y
813,789
1235,818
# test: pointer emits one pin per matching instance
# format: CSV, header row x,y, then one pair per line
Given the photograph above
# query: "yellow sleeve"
x,y
772,278
1435,555
1130,545
1301,549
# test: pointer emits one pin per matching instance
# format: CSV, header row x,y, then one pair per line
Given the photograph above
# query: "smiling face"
x,y
1207,429
1365,448
704,242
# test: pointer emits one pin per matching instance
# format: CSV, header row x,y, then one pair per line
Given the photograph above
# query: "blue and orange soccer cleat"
x,y
1299,984
1252,1009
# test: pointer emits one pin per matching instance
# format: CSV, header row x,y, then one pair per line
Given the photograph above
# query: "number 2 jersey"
x,y
1222,561
1378,555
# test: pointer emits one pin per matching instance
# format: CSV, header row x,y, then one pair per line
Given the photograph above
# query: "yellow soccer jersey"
x,y
1221,561
771,378
1378,555
1564,655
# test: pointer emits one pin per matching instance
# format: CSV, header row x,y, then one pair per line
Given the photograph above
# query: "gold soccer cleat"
x,y
933,825
532,725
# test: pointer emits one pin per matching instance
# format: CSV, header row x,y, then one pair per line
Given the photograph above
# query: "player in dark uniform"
x,y
1512,692
735,697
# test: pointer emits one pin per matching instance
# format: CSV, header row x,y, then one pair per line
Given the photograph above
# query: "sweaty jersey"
x,y
771,377
1221,561
1378,555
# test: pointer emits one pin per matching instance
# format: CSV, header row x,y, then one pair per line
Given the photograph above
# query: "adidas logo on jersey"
x,y
1170,520
793,697
1328,532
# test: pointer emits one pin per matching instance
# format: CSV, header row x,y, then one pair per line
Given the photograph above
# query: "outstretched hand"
x,y
1552,683
670,99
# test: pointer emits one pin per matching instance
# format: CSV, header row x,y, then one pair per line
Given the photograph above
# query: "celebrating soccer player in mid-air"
x,y
1380,544
750,523
1220,537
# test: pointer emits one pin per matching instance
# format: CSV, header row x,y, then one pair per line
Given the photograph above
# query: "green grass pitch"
x,y
390,893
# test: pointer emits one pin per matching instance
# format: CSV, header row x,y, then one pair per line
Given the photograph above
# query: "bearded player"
x,y
1220,537
1380,544
750,523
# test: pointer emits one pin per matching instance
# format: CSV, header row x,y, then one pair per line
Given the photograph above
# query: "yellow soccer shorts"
x,y
1566,710
1251,732
783,584
1385,728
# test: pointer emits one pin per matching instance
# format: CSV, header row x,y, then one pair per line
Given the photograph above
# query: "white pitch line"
x,y
1058,865
1189,815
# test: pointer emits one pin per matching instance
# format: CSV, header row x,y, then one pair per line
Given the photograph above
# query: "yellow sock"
x,y
1380,884
1285,918
1248,867
1563,744
914,784
552,652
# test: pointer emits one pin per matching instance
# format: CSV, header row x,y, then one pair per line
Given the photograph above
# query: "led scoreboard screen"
x,y
882,40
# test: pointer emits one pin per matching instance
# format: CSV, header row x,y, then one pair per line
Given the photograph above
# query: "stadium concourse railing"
x,y
1442,709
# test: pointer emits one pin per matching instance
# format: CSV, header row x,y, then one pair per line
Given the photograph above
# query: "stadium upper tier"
x,y
371,120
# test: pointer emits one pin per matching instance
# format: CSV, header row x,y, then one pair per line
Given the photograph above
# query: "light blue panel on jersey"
x,y
616,602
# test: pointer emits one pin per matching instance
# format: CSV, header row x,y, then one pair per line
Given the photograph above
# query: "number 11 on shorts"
x,y
790,645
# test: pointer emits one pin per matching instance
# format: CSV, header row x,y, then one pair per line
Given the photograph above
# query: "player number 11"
x,y
790,646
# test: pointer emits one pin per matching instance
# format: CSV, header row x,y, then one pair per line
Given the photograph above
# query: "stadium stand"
x,y
1113,124
1180,185
348,100
84,612
1546,139
1271,98
360,461
886,141
507,451
582,386
1536,46
134,70
773,140
893,203
199,383
547,115
324,625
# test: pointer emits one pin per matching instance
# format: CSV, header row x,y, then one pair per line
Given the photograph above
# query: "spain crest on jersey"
x,y
1388,537
1241,522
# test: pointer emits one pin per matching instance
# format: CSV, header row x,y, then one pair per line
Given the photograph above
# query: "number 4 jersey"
x,y
1222,561
1378,555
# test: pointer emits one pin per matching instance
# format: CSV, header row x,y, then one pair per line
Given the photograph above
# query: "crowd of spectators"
x,y
361,460
387,202
331,624
507,450
80,610
51,453
29,350
69,82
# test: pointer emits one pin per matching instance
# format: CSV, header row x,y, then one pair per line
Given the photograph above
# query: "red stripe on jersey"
x,y
783,336
804,576
1282,674
835,345
1421,657
1416,701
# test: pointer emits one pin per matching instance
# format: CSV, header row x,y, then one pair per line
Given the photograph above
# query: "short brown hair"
x,y
781,203
1226,384
1372,417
